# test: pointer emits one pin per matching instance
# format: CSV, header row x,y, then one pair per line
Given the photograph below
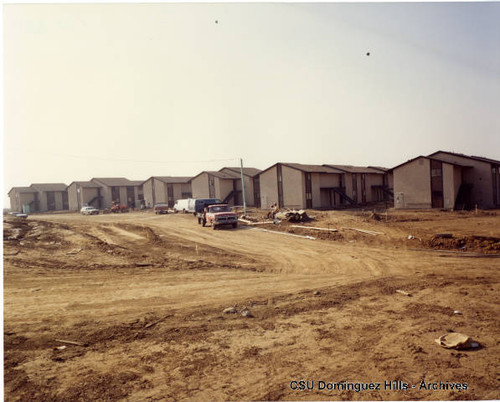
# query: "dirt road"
x,y
145,295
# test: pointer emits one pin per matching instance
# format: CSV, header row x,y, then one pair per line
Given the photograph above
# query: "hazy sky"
x,y
137,90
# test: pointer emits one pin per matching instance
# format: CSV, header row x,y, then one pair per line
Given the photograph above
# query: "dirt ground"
x,y
143,297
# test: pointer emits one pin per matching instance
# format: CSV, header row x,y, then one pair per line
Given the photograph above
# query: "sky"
x,y
141,90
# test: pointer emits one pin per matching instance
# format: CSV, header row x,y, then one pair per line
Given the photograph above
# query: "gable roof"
x,y
220,175
247,171
49,186
477,158
21,190
305,168
225,175
136,182
113,181
311,168
85,184
432,159
355,169
380,168
171,179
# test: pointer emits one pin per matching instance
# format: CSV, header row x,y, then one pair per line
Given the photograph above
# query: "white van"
x,y
182,206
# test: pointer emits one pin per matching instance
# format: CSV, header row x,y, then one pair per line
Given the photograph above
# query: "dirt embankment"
x,y
379,229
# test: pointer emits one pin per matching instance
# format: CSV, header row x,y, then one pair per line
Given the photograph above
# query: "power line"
x,y
122,160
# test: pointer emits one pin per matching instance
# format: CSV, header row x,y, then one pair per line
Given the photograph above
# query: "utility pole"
x,y
243,189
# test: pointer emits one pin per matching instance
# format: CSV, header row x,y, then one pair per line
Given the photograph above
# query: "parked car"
x,y
89,211
182,206
219,215
161,209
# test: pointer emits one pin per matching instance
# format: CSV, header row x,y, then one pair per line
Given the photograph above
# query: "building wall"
x,y
249,198
268,188
87,194
180,189
326,180
294,194
160,194
186,191
73,197
199,186
106,195
222,189
26,198
248,187
372,179
14,204
123,195
412,188
147,189
347,182
17,200
479,176
59,200
248,190
451,184
323,180
13,201
390,180
315,186
42,198
329,179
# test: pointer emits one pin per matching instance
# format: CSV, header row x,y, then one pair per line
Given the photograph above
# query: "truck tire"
x,y
214,226
203,222
235,225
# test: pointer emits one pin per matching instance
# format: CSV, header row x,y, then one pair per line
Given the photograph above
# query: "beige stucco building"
x,y
23,199
295,185
225,185
84,193
483,178
51,196
212,184
39,197
119,189
366,185
447,180
252,185
166,189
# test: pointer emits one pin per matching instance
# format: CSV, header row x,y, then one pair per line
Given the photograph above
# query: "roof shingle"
x,y
113,181
49,186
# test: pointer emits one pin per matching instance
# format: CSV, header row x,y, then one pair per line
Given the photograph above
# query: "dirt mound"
x,y
483,244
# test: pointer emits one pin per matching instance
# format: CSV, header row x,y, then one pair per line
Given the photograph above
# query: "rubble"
x,y
455,340
293,215
246,313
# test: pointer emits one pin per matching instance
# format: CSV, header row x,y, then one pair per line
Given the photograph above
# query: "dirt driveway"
x,y
143,297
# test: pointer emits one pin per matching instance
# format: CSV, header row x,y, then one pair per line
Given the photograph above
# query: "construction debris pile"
x,y
293,215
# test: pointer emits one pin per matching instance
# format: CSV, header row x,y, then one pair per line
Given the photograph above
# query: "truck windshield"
x,y
223,208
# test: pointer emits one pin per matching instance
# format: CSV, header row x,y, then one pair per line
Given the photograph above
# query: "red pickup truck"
x,y
219,214
161,209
